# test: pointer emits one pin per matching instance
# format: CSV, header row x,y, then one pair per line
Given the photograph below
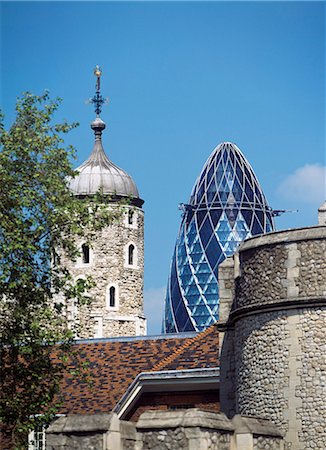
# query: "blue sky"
x,y
181,78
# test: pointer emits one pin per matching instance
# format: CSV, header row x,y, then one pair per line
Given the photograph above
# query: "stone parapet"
x,y
194,429
287,266
284,236
190,429
79,432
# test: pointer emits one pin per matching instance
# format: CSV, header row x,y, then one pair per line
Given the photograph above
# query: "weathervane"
x,y
98,100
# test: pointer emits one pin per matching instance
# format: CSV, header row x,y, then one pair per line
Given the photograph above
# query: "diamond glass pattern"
x,y
227,205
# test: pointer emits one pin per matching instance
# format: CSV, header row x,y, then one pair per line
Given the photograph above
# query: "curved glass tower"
x,y
227,205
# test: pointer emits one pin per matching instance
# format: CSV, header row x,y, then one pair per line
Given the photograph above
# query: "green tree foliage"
x,y
38,217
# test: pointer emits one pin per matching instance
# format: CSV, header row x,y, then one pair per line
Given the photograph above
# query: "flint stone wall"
x,y
281,266
279,334
266,443
191,429
163,430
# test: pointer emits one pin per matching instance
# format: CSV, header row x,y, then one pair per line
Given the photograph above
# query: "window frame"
x,y
134,263
131,255
131,213
85,254
80,262
107,299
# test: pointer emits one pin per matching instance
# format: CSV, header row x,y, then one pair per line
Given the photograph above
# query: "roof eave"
x,y
167,381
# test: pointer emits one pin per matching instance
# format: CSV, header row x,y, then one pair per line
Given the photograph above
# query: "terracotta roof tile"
x,y
199,351
113,365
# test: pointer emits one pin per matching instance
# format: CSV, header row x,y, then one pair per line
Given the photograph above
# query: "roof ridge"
x,y
172,356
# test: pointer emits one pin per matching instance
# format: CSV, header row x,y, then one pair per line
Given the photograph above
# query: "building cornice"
x,y
283,304
284,237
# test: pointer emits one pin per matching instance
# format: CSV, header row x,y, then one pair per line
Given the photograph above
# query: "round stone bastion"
x,y
279,323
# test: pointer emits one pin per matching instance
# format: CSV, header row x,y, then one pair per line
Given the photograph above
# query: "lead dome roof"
x,y
99,173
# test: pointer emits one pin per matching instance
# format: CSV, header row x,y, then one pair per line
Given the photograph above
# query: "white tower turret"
x,y
115,258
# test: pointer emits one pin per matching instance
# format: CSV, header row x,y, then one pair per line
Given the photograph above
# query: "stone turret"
x,y
322,214
273,363
115,257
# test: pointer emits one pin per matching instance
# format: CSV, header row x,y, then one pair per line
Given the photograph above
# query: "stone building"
x,y
115,257
256,380
273,330
271,381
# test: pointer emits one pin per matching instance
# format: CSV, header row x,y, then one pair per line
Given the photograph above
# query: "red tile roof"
x,y
114,363
194,353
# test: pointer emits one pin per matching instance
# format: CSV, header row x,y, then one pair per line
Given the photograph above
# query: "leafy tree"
x,y
39,218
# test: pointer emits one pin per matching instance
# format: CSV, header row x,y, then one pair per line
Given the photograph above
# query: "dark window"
x,y
112,296
85,254
131,250
130,217
181,406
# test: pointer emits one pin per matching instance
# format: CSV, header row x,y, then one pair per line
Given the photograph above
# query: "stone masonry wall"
x,y
178,439
189,429
193,429
173,439
281,373
312,374
262,273
279,326
109,266
281,266
277,272
311,279
267,443
262,367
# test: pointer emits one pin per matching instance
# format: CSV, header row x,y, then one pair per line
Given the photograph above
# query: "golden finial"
x,y
97,71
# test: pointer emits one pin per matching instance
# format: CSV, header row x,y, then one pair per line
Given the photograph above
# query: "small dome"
x,y
322,207
99,173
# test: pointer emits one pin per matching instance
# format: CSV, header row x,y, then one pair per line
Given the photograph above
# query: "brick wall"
x,y
205,400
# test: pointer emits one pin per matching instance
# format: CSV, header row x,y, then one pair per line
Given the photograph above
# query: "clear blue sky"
x,y
181,78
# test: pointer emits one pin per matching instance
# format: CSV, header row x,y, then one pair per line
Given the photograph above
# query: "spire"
x,y
98,125
98,100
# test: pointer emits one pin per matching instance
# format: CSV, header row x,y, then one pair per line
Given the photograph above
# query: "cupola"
x,y
98,172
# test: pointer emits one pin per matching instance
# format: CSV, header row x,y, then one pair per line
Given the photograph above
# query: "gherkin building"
x,y
226,206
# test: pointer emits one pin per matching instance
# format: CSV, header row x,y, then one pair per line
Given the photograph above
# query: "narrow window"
x,y
112,297
85,254
131,250
130,217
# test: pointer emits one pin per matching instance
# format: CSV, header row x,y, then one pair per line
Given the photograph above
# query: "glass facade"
x,y
227,205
